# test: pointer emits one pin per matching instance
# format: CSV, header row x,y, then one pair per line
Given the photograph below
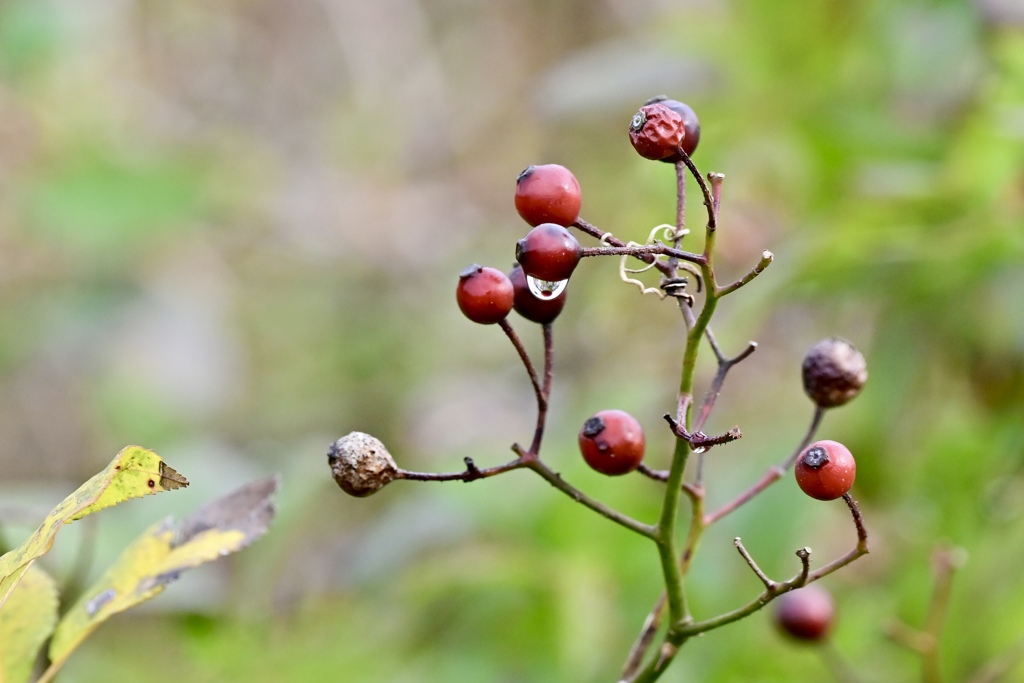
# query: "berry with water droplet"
x,y
484,295
691,125
549,252
656,131
825,470
548,194
806,613
612,442
834,372
532,307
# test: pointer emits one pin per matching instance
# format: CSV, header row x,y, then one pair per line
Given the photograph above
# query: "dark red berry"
x,y
548,194
549,252
825,470
691,126
484,294
532,307
656,131
834,372
806,613
612,442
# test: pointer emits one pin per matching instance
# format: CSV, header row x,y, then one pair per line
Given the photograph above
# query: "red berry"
x,y
612,442
691,126
656,131
806,613
548,194
484,294
549,252
825,470
530,306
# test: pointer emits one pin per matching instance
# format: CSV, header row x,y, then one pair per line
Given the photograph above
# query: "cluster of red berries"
x,y
548,198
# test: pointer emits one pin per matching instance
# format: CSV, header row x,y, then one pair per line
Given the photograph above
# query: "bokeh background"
x,y
231,232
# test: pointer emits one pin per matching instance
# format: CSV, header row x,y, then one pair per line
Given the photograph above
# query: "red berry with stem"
x,y
549,252
806,613
527,304
484,294
691,125
548,194
825,470
612,442
656,131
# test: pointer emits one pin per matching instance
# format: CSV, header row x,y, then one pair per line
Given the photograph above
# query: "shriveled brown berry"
x,y
656,131
549,252
530,306
691,125
548,194
484,294
825,470
361,464
806,613
834,372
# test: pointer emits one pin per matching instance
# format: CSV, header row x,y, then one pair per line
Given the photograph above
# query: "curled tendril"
x,y
605,239
673,288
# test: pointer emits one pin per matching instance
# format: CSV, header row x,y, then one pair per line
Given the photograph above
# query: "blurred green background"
x,y
230,232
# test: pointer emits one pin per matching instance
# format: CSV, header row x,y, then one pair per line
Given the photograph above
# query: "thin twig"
x,y
608,238
773,474
999,667
471,473
545,392
555,479
506,327
656,249
768,583
766,260
802,578
644,640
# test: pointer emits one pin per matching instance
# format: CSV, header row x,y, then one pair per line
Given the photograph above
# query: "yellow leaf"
x,y
26,621
133,473
161,554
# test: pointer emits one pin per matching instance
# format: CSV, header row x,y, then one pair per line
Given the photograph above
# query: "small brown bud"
x,y
361,464
834,372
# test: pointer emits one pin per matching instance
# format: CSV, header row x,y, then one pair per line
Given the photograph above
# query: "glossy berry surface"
x,y
548,194
691,126
825,470
612,442
834,372
549,252
484,294
806,613
656,131
530,306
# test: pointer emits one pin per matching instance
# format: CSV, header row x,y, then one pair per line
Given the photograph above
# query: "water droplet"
x,y
545,289
699,449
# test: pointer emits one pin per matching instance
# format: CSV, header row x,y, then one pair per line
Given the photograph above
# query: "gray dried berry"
x,y
834,372
361,464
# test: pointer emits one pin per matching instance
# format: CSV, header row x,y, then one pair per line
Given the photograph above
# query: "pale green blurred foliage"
x,y
231,231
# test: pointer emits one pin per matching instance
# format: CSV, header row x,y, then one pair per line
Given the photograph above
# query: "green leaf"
x,y
26,621
133,473
158,557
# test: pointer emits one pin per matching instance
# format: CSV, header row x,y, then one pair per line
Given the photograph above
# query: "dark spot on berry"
x,y
470,270
815,458
592,427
